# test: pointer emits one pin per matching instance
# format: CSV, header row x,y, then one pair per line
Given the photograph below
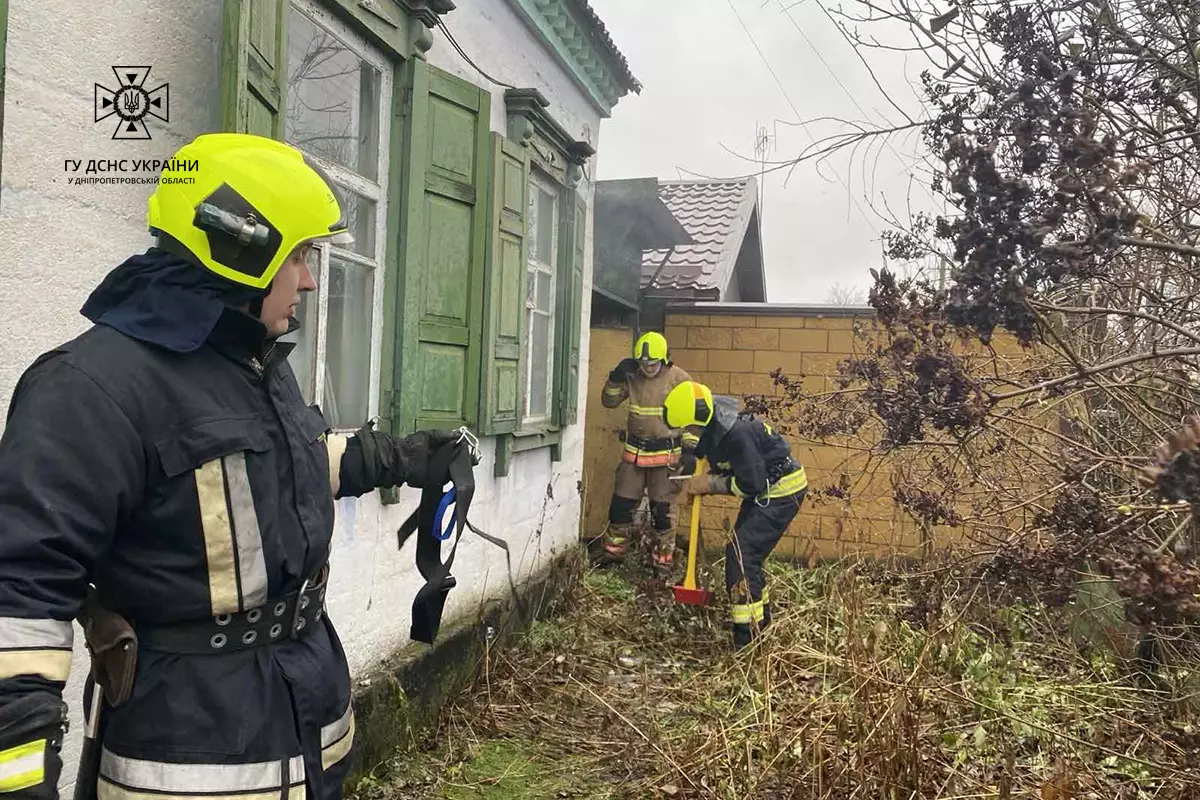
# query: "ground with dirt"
x,y
861,688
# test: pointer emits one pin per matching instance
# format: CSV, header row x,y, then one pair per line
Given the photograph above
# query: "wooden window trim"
x,y
535,425
376,191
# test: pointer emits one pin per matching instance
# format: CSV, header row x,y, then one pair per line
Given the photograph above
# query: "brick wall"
x,y
601,445
734,352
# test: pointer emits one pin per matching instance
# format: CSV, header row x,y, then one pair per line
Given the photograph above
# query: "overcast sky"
x,y
706,94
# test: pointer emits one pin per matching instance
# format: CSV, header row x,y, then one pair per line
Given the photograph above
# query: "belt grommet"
x,y
223,619
248,637
301,623
254,615
280,608
276,629
218,640
317,616
304,602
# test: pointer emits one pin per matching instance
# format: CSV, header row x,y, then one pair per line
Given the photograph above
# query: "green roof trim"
x,y
575,33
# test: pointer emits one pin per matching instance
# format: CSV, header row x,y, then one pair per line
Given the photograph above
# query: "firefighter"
x,y
748,459
163,481
652,453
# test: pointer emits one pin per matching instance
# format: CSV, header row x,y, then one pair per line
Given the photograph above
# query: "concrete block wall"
x,y
735,354
602,426
735,350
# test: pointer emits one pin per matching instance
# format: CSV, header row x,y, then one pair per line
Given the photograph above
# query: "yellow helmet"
x,y
650,346
689,403
253,201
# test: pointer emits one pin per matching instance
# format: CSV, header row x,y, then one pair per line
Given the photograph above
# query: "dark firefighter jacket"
x,y
184,486
756,460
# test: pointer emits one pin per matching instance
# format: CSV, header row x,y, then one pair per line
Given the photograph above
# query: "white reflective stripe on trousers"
x,y
337,738
161,777
336,730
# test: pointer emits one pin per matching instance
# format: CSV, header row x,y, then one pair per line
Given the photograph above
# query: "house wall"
x,y
58,241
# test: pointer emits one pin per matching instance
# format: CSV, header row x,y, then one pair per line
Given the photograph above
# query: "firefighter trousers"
x,y
631,482
756,533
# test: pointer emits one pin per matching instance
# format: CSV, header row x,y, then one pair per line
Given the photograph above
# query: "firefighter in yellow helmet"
x,y
653,451
748,459
163,481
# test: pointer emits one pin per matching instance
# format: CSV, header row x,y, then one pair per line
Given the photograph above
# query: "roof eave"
x,y
576,37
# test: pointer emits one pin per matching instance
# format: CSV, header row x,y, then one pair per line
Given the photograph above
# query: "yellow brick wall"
x,y
601,447
735,354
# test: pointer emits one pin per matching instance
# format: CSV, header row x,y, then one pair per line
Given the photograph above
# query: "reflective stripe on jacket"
x,y
646,396
183,486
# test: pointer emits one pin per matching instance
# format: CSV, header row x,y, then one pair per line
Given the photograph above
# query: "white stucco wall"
x,y
58,241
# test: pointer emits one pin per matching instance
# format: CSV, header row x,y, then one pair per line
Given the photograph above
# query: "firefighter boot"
x,y
662,551
616,542
662,555
742,615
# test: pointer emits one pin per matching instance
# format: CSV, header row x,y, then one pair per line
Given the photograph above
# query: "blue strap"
x,y
439,532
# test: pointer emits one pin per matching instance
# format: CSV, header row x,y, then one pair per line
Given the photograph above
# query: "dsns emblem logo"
x,y
132,103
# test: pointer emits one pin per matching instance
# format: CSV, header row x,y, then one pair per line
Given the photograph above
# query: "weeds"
x,y
637,697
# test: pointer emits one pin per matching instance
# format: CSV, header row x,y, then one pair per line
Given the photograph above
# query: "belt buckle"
x,y
298,621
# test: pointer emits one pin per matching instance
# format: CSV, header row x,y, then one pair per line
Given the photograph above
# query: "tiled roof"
x,y
716,214
609,46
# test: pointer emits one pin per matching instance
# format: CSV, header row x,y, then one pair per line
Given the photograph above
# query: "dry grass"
x,y
635,696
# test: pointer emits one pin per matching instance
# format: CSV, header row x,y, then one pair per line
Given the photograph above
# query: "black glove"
x,y
392,461
687,463
626,368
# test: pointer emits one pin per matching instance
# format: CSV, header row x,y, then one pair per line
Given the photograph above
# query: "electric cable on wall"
x,y
467,58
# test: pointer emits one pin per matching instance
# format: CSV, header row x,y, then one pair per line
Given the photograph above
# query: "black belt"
x,y
652,445
781,469
292,616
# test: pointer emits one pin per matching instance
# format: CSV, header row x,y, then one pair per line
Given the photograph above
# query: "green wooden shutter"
x,y
504,295
443,239
254,67
571,307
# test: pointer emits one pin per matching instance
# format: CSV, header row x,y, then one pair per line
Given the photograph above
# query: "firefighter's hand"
x,y
623,370
708,484
395,461
687,463
418,450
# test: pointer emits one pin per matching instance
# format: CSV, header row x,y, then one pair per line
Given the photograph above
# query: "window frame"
x,y
377,191
540,179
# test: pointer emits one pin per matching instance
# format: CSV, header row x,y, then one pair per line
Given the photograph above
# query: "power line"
x,y
845,90
796,111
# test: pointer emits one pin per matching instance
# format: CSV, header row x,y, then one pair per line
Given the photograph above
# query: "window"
x,y
337,85
541,299
532,311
